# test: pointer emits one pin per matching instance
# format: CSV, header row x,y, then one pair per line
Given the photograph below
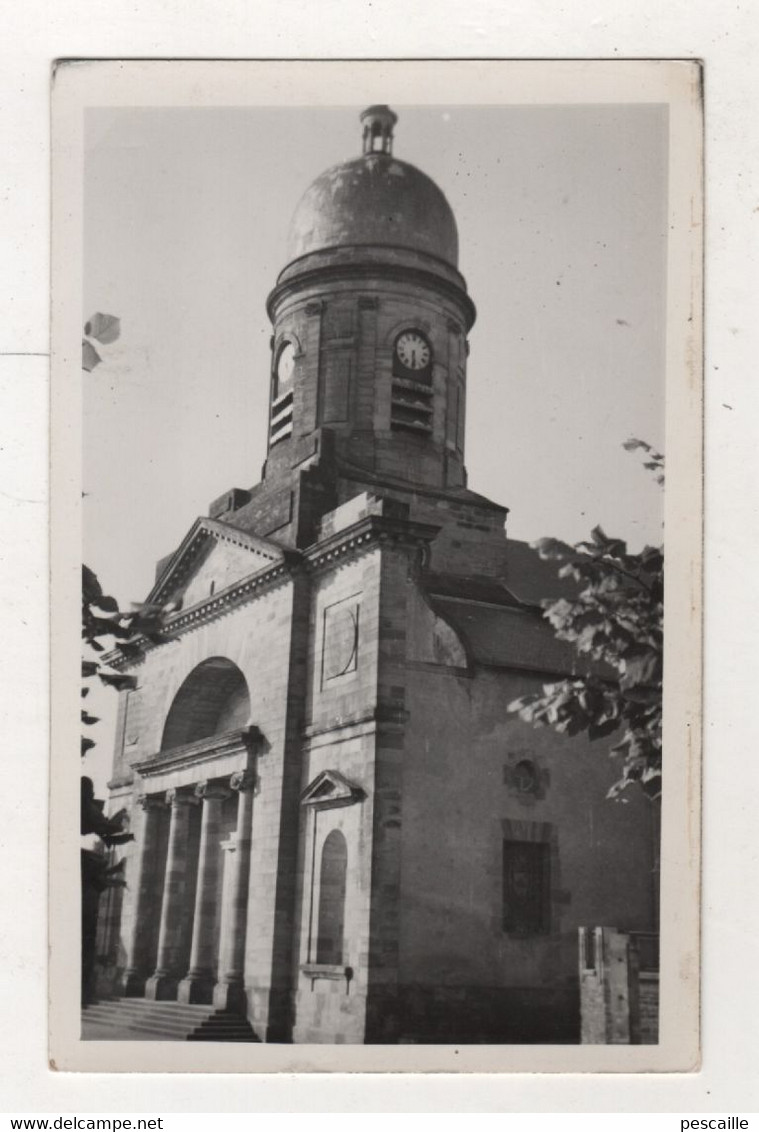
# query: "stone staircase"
x,y
140,1020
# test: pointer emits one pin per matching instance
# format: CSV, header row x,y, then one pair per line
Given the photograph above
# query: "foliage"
x,y
615,622
104,329
101,617
655,461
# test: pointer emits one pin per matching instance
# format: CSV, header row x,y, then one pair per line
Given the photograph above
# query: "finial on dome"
x,y
378,129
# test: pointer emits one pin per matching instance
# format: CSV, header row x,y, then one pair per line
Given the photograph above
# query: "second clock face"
x,y
286,364
413,350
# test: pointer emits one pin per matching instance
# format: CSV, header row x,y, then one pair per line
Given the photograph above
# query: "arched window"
x,y
329,942
213,699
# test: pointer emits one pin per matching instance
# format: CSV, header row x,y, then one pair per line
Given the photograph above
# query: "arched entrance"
x,y
196,804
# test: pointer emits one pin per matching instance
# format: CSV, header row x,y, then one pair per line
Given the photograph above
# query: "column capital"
x,y
151,801
175,798
243,781
211,791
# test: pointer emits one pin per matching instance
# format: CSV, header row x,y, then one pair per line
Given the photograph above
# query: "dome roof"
x,y
374,200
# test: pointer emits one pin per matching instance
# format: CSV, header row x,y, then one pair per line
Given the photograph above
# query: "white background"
x,y
725,36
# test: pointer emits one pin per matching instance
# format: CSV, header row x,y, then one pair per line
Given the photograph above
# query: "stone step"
x,y
179,1026
149,1003
142,1007
121,1031
165,1025
134,1019
224,1027
94,1031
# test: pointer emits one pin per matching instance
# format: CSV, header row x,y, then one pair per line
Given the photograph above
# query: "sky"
x,y
562,217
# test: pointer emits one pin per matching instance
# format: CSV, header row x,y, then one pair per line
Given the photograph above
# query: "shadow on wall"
x,y
213,699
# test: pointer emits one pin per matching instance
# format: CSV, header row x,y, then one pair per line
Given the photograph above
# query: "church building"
x,y
340,831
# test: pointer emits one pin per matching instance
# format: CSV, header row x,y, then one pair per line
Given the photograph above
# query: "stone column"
x,y
143,884
163,983
229,992
197,986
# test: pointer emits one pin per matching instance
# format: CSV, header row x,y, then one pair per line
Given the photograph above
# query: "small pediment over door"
x,y
212,556
330,788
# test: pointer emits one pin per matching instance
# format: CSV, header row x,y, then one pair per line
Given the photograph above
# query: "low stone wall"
x,y
619,987
648,1005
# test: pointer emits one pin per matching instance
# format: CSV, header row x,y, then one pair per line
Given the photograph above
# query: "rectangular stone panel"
x,y
339,321
340,639
337,370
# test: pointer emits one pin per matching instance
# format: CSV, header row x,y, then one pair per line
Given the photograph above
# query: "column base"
x,y
196,990
230,996
161,988
133,984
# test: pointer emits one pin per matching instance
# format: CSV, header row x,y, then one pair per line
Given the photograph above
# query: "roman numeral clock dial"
x,y
413,351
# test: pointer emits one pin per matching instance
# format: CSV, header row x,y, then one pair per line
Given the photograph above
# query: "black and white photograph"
x,y
387,406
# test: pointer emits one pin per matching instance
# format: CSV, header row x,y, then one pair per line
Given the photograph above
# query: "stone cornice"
x,y
326,275
358,537
366,532
342,723
193,754
457,497
239,593
203,530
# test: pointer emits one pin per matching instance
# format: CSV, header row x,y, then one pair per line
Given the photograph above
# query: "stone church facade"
x,y
340,831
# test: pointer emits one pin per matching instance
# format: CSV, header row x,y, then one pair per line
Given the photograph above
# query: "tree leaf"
x,y
90,356
101,627
602,730
553,548
104,328
642,670
632,444
91,588
106,604
118,680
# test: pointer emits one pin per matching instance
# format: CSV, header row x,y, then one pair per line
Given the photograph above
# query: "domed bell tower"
x,y
370,319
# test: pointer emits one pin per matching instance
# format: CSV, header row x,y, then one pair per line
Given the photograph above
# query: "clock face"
x,y
413,350
285,365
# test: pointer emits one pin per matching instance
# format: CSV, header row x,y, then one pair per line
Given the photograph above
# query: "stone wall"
x,y
458,797
338,736
343,379
376,722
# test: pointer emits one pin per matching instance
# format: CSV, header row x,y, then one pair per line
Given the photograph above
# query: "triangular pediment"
x,y
330,788
212,556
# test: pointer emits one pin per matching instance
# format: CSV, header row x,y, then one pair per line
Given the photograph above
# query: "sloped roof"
x,y
174,570
507,636
476,587
500,619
